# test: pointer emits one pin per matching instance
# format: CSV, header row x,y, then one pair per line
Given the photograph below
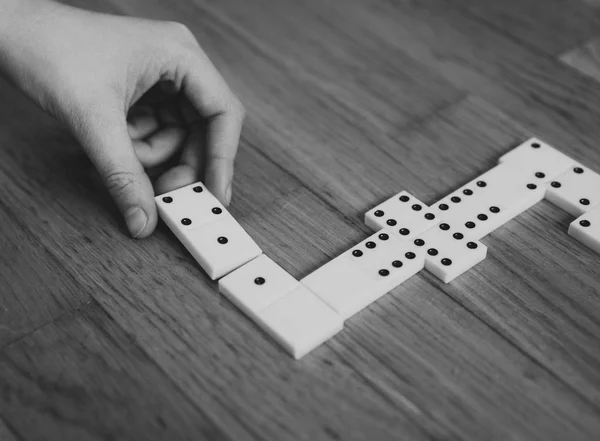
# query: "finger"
x,y
160,146
191,161
168,114
141,122
211,97
223,135
103,134
187,111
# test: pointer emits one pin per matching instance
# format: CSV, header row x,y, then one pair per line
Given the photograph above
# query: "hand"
x,y
134,93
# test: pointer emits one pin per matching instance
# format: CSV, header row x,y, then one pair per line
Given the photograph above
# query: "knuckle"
x,y
237,109
180,31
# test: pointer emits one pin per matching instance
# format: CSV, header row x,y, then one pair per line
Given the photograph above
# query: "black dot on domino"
x,y
531,186
217,210
444,227
446,261
404,231
540,175
384,236
417,207
198,189
429,216
357,253
404,198
556,184
167,199
391,222
419,242
260,281
482,217
185,221
370,245
222,240
584,223
494,209
455,199
578,170
584,201
458,236
472,245
467,192
379,213
481,183
397,264
443,207
432,252
384,272
410,255
535,145
470,225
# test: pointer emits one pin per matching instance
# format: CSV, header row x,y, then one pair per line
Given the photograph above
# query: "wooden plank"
x,y
537,285
585,58
552,26
35,287
456,376
536,90
83,378
5,433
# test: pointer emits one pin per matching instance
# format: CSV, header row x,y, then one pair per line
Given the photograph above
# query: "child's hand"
x,y
89,69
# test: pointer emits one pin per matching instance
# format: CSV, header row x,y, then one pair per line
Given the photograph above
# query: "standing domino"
x,y
207,230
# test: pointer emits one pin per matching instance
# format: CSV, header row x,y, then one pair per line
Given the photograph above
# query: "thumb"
x,y
105,138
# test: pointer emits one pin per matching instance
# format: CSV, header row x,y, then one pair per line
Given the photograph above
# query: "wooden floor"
x,y
349,102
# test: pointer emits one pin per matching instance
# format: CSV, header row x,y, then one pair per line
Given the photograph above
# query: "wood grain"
x,y
508,297
348,102
36,289
585,58
552,27
84,361
5,433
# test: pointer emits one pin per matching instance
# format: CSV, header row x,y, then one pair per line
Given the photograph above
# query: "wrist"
x,y
20,21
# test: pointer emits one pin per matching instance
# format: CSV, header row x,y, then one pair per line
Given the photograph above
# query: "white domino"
x,y
189,207
207,230
576,190
450,252
491,200
538,155
273,299
257,285
300,321
403,212
586,228
220,247
363,274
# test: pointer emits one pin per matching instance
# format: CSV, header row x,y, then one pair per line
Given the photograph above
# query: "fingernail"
x,y
228,194
137,220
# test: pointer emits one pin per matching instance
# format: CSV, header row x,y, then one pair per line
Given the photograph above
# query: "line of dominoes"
x,y
444,239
